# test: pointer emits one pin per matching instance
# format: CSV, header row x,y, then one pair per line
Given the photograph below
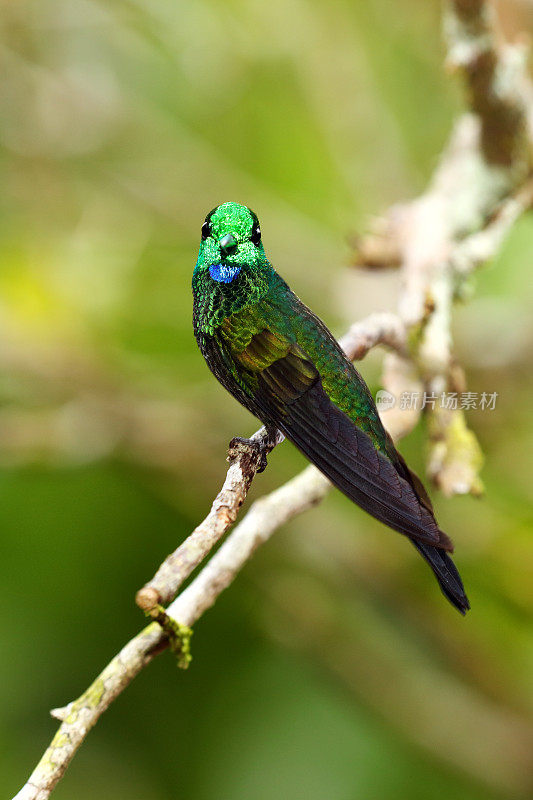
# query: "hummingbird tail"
x,y
446,573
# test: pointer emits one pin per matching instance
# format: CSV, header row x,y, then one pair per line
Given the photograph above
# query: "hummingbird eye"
x,y
256,234
206,230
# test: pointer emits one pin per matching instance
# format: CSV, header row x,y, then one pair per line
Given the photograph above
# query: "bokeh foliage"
x,y
333,667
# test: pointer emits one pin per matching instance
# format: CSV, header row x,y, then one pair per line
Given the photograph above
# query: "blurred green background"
x,y
332,668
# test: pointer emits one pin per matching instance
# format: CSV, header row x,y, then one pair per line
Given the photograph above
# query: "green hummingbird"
x,y
282,363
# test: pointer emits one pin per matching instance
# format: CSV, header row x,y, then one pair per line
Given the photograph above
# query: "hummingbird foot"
x,y
259,445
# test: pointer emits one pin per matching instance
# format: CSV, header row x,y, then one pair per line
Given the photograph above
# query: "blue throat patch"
x,y
223,273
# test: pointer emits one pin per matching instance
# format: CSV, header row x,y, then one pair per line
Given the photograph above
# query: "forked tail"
x,y
446,573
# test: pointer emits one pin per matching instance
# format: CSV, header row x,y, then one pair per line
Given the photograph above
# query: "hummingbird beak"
x,y
228,245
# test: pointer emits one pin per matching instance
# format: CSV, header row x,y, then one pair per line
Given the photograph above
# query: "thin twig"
x,y
176,568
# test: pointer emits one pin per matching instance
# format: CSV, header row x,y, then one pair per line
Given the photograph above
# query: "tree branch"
x,y
80,716
478,190
176,568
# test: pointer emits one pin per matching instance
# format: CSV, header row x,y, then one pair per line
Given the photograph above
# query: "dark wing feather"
x,y
288,394
292,393
346,455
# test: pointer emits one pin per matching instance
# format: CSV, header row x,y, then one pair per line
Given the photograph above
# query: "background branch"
x,y
479,188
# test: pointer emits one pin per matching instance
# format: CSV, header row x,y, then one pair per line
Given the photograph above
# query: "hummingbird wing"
x,y
284,388
272,376
341,450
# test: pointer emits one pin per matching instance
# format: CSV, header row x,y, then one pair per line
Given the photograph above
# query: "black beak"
x,y
228,245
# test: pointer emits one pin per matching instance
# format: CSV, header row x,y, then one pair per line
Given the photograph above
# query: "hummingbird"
x,y
280,361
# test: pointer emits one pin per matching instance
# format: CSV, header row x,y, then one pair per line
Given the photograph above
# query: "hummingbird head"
x,y
231,243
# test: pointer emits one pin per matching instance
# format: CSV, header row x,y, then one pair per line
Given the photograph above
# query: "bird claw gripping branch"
x,y
259,447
